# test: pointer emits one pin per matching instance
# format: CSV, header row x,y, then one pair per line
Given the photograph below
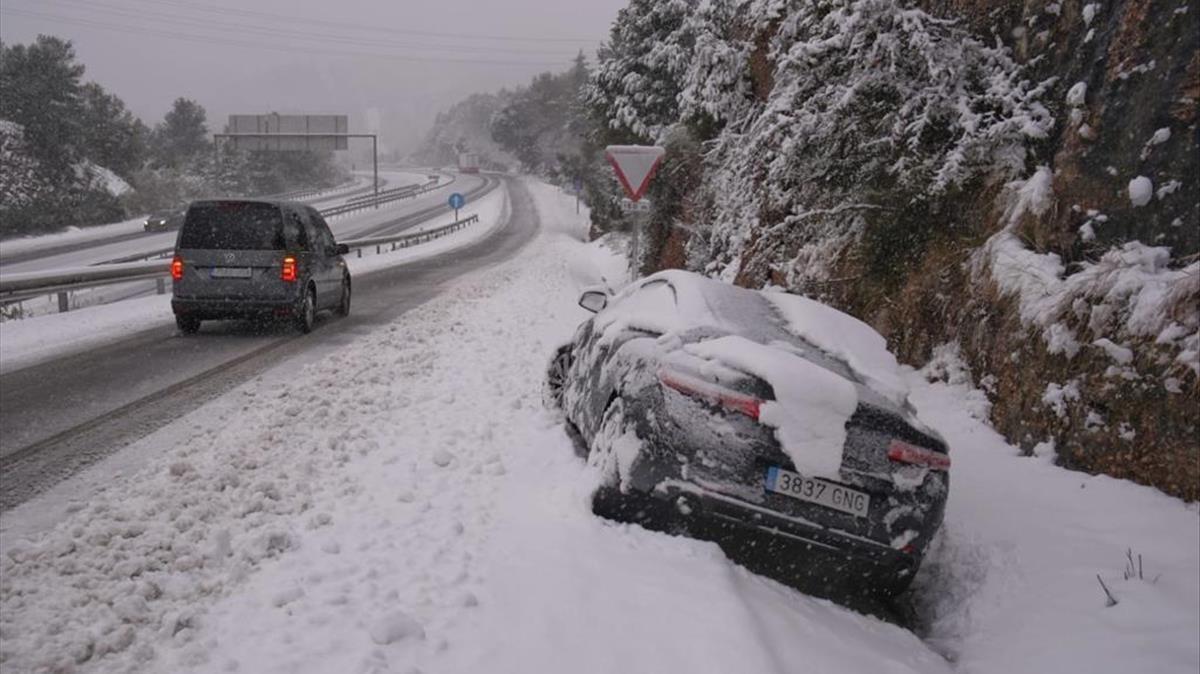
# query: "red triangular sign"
x,y
635,166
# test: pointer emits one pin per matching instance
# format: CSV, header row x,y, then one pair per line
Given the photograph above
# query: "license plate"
x,y
817,491
231,272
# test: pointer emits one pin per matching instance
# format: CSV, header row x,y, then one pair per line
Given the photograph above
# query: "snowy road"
x,y
69,411
397,500
394,498
391,218
24,256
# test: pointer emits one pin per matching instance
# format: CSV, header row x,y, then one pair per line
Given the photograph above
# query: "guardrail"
x,y
366,203
308,192
20,287
374,202
395,190
406,240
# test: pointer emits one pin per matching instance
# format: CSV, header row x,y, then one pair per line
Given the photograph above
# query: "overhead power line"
x,y
364,27
215,40
224,28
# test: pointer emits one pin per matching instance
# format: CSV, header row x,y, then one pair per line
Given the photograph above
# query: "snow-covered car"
x,y
767,422
162,222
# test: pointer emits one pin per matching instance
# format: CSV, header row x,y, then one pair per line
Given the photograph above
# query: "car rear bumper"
x,y
212,309
817,559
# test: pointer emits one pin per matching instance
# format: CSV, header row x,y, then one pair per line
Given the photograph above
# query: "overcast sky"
x,y
406,59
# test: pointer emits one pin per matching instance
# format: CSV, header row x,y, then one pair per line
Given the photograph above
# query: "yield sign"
x,y
635,166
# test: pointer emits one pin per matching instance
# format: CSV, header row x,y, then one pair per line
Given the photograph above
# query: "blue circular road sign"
x,y
457,201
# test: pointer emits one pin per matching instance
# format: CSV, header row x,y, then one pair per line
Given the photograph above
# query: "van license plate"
x,y
231,272
824,493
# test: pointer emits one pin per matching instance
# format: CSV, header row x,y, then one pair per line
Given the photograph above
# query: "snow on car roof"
x,y
771,317
846,338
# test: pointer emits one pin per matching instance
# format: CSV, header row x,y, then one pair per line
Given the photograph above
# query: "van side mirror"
x,y
593,300
342,249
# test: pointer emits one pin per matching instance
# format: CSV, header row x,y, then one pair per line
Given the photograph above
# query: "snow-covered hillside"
x,y
405,504
1009,178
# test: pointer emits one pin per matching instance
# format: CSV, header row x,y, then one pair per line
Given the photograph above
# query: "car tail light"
x,y
176,268
903,452
710,392
288,271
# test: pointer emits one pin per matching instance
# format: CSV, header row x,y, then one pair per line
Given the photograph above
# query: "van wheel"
x,y
306,313
343,308
188,325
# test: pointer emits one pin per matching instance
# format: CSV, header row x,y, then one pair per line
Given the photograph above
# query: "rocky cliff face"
x,y
1124,164
1128,82
1017,181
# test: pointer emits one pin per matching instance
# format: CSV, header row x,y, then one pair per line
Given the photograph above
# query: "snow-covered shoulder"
x,y
1020,576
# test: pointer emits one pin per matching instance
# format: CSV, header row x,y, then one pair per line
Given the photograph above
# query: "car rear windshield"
x,y
233,225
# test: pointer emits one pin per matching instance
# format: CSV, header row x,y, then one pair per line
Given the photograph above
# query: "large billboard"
x,y
277,132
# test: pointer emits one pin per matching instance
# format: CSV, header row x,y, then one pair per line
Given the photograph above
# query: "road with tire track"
x,y
60,416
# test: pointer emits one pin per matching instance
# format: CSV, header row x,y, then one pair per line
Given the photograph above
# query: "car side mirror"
x,y
341,249
593,300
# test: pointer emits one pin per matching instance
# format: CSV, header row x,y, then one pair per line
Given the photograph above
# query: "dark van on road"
x,y
256,259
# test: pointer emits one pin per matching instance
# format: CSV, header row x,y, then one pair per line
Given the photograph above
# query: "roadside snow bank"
x,y
1010,584
35,340
566,591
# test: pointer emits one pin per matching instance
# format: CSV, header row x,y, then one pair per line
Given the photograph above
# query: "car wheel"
x,y
188,325
610,442
343,308
556,379
306,313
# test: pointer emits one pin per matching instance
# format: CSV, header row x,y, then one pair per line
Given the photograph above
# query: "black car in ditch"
x,y
769,423
238,258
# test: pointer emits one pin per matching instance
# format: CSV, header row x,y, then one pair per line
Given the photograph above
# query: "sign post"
x,y
456,202
635,166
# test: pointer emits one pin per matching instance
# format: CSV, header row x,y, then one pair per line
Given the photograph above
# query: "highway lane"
x,y
60,416
11,261
393,219
95,251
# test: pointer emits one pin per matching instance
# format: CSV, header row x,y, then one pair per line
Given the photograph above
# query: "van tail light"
x,y
902,452
710,392
176,268
288,271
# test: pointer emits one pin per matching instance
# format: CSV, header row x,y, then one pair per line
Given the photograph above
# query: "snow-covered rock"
x,y
1077,94
1141,190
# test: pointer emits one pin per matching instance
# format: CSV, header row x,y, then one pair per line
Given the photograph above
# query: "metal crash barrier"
x,y
20,287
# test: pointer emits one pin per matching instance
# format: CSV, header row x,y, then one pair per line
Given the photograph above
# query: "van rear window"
x,y
233,225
